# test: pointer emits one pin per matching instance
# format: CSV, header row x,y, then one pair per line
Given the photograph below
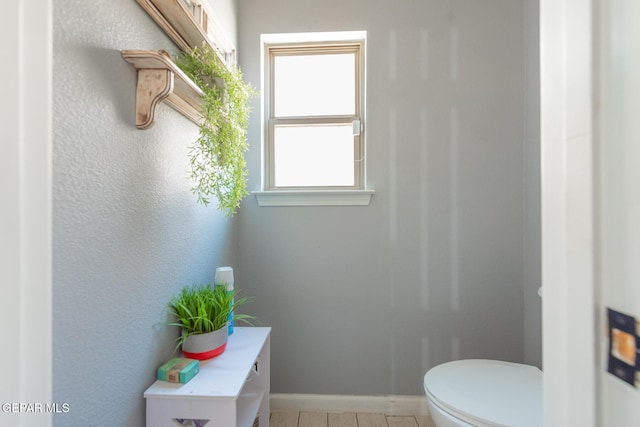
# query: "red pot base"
x,y
207,354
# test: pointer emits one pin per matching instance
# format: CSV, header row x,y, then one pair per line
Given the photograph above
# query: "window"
x,y
314,133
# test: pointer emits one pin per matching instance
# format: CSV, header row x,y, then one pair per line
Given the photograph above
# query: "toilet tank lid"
x,y
489,391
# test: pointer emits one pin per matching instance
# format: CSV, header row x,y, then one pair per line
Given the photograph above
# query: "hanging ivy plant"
x,y
217,161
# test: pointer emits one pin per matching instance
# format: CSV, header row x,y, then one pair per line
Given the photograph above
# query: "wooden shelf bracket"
x,y
158,80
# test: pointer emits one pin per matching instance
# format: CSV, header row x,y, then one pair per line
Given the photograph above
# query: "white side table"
x,y
229,391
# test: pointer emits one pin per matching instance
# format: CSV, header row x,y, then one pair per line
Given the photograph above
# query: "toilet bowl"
x,y
484,393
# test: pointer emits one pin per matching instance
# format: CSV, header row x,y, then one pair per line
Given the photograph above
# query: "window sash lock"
x,y
357,127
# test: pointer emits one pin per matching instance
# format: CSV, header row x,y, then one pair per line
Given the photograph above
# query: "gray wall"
x,y
532,170
127,232
363,300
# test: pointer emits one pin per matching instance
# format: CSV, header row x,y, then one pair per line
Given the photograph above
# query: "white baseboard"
x,y
390,405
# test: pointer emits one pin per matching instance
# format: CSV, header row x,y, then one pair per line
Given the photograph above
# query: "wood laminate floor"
x,y
324,419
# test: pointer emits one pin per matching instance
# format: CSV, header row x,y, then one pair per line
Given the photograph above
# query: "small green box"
x,y
179,370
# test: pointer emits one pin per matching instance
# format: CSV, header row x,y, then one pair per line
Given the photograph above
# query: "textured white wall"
x,y
127,232
363,300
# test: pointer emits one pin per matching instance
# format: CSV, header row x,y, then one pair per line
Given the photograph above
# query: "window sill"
x,y
314,197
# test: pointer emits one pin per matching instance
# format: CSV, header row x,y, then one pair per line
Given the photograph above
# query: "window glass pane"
x,y
314,85
314,155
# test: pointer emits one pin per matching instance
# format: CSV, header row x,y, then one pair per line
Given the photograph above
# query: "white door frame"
x,y
567,213
25,222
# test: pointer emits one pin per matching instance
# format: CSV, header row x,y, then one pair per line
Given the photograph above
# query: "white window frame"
x,y
310,43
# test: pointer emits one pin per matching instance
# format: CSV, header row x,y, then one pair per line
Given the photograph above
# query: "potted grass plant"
x,y
202,313
218,166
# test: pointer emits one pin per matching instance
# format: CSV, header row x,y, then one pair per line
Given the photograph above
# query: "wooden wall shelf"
x,y
190,23
159,79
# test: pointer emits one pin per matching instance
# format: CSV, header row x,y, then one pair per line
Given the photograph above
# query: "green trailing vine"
x,y
217,161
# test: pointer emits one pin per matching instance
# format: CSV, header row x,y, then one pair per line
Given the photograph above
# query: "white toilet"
x,y
484,393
